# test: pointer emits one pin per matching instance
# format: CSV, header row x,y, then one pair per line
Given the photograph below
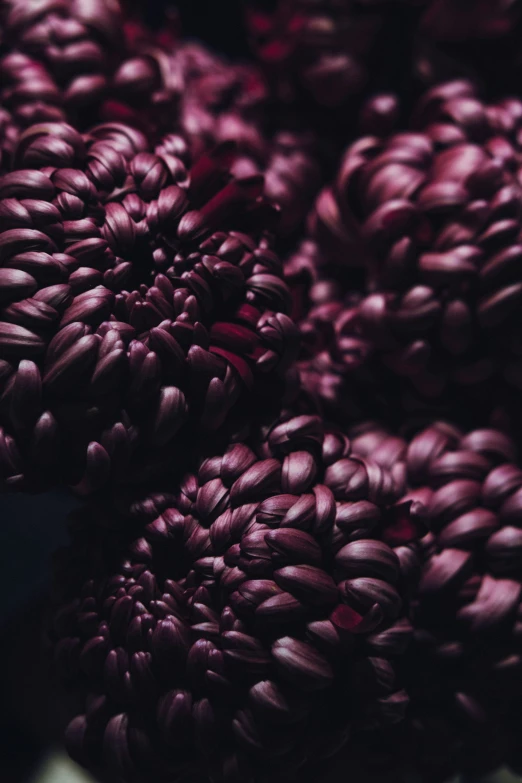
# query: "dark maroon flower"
x,y
463,670
255,616
292,175
338,364
465,665
211,101
141,303
468,615
85,62
431,217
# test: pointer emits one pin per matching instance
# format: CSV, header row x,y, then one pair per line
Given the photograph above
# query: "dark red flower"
x,y
84,62
211,101
468,617
463,670
141,303
431,218
251,620
200,85
338,364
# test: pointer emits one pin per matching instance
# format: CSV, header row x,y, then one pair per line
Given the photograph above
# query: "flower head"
x,y
331,53
462,671
142,303
211,101
431,218
83,62
253,617
468,614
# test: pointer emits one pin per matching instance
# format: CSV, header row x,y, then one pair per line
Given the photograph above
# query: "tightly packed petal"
x,y
255,615
299,551
141,303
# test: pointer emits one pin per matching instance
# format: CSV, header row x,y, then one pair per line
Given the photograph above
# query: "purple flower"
x,y
426,223
84,62
470,490
213,102
467,617
255,615
141,304
462,671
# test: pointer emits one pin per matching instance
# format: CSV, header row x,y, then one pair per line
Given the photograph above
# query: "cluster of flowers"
x,y
260,585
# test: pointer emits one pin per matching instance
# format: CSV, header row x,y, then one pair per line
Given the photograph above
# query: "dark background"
x,y
217,23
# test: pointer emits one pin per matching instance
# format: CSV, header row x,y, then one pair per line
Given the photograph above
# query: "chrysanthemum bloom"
x,y
57,56
80,61
84,62
212,101
326,51
253,619
464,670
468,618
432,217
141,303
